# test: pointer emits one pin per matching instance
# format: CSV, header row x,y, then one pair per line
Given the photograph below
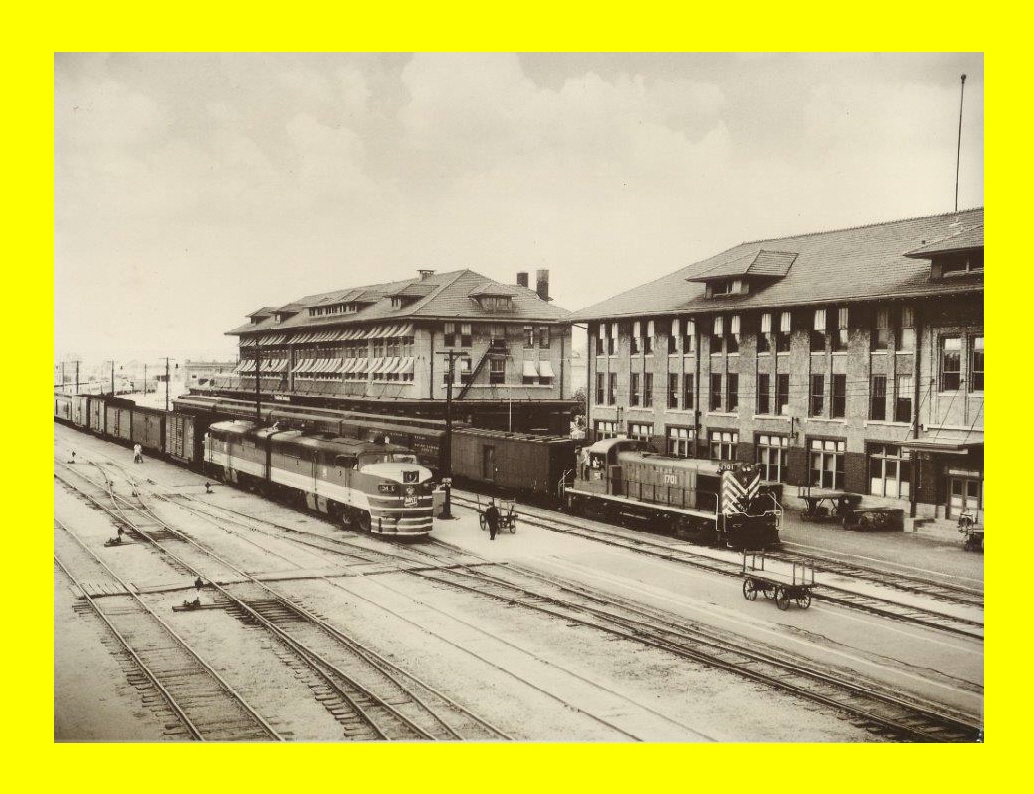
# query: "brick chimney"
x,y
542,284
522,279
425,274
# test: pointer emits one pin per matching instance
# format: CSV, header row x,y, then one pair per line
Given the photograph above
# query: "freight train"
x,y
377,487
701,501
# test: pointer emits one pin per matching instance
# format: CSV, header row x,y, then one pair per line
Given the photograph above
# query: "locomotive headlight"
x,y
387,487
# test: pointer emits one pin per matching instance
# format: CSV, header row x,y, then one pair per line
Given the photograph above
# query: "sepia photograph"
x,y
518,397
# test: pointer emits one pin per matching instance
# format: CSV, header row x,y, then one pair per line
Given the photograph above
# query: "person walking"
x,y
138,453
492,519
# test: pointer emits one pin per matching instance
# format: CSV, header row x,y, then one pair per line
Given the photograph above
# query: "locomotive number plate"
x,y
409,501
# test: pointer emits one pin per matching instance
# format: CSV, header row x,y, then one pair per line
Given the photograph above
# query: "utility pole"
x,y
167,360
77,376
447,452
112,376
958,154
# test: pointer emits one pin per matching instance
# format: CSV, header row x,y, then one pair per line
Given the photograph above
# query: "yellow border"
x,y
33,34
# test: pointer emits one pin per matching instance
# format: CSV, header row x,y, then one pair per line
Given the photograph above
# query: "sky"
x,y
192,189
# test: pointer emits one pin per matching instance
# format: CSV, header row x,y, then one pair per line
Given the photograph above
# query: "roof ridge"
x,y
861,226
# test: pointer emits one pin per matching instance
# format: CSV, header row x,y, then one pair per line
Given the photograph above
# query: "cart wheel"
x,y
804,600
513,527
749,591
482,522
782,599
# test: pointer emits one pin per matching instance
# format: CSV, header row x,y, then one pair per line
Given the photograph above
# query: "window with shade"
x,y
976,363
903,398
826,459
680,440
723,444
782,337
633,389
950,363
771,456
890,471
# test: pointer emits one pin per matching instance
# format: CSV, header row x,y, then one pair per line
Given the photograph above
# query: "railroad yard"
x,y
559,631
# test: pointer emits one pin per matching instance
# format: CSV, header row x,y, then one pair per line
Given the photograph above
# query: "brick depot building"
x,y
845,360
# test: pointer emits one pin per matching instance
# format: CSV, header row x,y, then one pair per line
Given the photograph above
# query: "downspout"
x,y
430,385
696,387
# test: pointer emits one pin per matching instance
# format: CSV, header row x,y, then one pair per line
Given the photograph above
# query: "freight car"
x,y
701,501
516,463
379,488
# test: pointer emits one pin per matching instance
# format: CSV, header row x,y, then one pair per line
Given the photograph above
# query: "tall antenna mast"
x,y
958,153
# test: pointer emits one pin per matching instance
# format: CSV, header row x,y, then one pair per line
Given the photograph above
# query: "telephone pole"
x,y
447,452
112,376
958,153
166,360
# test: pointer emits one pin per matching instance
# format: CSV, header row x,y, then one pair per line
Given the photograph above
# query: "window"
x,y
689,337
732,402
818,333
765,333
906,329
544,336
827,463
764,394
679,442
687,392
604,429
599,388
972,262
497,371
648,339
529,337
878,398
461,367
783,394
838,405
890,471
450,334
816,403
840,335
976,363
648,389
716,393
633,389
674,332
723,444
466,338
635,340
785,329
771,454
881,329
903,400
612,339
491,302
640,431
951,363
673,391
612,388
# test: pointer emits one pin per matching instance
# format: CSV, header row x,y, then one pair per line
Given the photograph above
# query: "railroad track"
x,y
883,713
371,698
204,705
844,596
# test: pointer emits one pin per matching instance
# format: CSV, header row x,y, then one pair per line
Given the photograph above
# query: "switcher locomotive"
x,y
377,487
697,500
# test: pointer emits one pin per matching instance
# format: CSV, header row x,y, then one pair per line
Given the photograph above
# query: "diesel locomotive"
x,y
620,479
376,487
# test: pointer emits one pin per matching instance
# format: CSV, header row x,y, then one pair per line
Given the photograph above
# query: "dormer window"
x,y
496,302
972,262
397,302
729,286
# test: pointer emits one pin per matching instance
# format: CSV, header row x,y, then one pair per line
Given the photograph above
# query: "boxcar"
x,y
517,462
95,414
63,407
80,411
118,420
183,441
148,428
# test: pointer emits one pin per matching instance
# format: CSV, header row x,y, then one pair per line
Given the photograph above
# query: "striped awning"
x,y
390,366
248,341
530,370
546,369
348,364
406,367
273,339
361,365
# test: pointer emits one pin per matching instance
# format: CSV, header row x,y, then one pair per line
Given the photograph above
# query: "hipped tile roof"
x,y
862,263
